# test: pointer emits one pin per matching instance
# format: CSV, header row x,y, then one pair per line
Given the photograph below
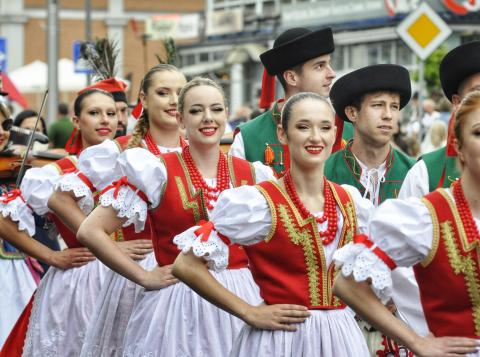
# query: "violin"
x,y
10,164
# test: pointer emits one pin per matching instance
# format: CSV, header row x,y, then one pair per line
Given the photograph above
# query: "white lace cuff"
x,y
213,250
72,183
360,261
18,211
128,204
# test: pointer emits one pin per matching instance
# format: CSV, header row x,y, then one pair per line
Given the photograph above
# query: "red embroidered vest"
x,y
289,266
180,208
449,278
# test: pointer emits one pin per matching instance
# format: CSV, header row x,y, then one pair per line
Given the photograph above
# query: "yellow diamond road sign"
x,y
423,30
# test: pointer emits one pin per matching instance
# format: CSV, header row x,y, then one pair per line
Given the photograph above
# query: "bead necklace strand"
x,y
465,213
329,210
223,178
152,146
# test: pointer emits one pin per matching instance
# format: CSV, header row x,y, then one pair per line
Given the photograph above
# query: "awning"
x,y
244,53
13,93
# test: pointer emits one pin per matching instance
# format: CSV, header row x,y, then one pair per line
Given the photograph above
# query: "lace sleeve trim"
x,y
207,245
128,204
13,205
74,183
363,264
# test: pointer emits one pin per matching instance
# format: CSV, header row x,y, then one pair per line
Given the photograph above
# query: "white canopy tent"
x,y
32,78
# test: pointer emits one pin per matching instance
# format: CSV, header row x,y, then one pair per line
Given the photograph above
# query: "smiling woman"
x,y
437,235
176,190
67,294
157,131
289,229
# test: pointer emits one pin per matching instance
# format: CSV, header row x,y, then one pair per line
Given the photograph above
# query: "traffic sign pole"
x,y
421,87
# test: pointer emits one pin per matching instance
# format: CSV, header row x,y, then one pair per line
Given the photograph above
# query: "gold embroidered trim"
x,y
231,171
346,236
436,233
164,187
303,238
193,205
467,247
273,212
463,265
201,211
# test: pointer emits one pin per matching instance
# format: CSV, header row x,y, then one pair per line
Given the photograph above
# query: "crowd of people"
x,y
316,235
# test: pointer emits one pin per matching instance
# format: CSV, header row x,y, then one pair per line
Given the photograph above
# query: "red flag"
x,y
13,93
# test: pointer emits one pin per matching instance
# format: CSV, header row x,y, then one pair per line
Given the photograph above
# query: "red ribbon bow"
x,y
206,227
118,184
363,239
11,195
124,182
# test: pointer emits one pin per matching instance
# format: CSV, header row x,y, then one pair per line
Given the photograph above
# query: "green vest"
x,y
259,132
343,168
442,169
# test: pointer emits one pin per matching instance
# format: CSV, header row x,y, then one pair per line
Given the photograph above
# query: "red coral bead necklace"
x,y
465,213
329,210
210,194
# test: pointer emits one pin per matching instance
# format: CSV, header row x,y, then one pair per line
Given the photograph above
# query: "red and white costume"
x,y
289,263
175,320
64,300
106,329
429,235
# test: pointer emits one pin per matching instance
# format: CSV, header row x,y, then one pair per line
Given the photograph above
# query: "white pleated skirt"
x,y
16,288
326,333
62,307
175,321
106,330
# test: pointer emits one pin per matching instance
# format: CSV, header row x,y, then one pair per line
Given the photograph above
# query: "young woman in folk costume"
x,y
289,229
438,235
176,191
65,298
18,279
157,130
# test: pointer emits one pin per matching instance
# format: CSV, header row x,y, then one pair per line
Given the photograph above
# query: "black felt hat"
x,y
376,78
458,64
296,46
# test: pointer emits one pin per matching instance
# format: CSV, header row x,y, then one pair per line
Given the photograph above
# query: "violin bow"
x,y
21,172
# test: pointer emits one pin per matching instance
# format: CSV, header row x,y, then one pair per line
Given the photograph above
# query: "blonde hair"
x,y
470,103
143,123
197,82
437,133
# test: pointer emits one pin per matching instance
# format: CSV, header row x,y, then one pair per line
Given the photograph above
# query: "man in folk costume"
x,y
300,59
371,98
459,75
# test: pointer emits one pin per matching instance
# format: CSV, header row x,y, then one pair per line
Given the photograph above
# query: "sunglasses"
x,y
7,124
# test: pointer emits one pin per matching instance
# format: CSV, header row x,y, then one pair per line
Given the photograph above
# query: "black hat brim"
x,y
459,64
297,51
371,79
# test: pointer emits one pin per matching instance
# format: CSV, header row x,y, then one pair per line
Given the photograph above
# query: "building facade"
x,y
223,38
